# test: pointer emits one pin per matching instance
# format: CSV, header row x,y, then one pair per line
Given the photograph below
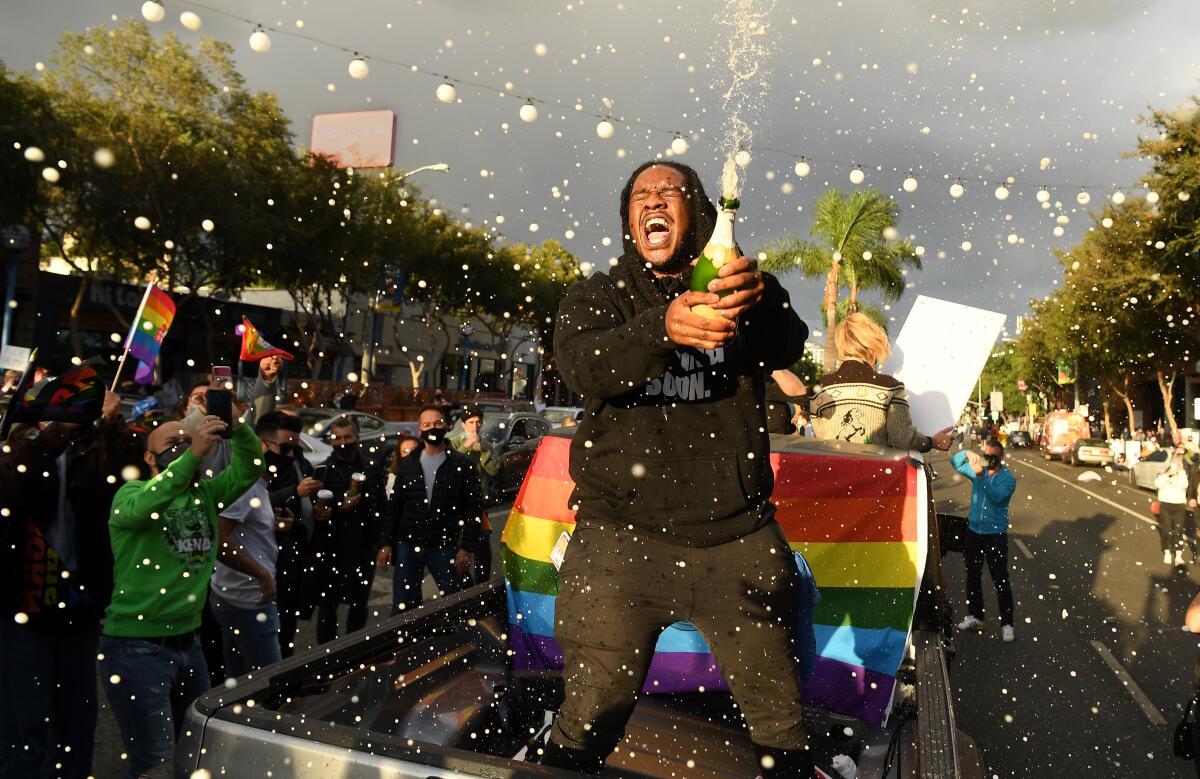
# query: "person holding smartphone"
x,y
164,541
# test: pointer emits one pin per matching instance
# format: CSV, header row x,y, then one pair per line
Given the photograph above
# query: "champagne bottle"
x,y
719,250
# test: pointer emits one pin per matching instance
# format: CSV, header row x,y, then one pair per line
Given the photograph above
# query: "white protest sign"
x,y
939,354
14,358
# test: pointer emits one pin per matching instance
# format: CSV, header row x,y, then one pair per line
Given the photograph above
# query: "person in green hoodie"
x,y
164,533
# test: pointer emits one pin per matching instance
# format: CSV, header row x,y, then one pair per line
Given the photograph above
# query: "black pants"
x,y
619,591
992,547
1172,526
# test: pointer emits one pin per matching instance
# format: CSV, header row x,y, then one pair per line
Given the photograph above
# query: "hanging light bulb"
x,y
446,92
910,184
1184,195
956,189
1083,198
191,20
1043,195
1107,221
153,11
1118,197
857,176
679,145
260,41
358,67
1151,197
529,112
803,168
1002,192
604,129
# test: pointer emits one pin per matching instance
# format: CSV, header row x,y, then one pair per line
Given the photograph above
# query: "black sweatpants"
x,y
620,590
992,547
1172,526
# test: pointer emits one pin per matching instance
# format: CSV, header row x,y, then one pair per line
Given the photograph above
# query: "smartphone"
x,y
222,376
319,472
220,404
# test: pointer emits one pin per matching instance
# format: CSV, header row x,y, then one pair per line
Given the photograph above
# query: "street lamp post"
x,y
466,330
368,355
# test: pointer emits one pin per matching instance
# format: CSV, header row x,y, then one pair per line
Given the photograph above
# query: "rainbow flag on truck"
x,y
860,522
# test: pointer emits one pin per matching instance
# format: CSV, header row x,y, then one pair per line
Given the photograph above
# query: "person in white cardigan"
x,y
1172,486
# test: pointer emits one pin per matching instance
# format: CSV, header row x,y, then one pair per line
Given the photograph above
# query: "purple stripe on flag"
x,y
673,671
847,688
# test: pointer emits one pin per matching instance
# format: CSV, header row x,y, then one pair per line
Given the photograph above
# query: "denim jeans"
x,y
250,637
410,572
47,702
149,688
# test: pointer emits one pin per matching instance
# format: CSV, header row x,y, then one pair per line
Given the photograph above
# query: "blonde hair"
x,y
858,337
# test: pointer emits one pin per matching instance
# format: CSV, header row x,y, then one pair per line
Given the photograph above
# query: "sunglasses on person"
x,y
287,450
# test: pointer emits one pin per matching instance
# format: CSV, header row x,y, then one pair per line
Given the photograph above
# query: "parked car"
x,y
316,451
1145,470
556,414
513,438
370,427
1020,439
1060,432
1089,451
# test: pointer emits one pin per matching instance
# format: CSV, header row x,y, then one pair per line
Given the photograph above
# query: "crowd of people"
x,y
164,562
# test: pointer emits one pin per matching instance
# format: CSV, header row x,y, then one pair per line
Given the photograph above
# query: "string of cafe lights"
x,y
260,41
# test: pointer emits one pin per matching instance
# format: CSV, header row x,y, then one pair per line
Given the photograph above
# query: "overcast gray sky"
x,y
970,89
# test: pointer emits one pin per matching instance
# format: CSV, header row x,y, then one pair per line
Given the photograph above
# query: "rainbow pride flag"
x,y
148,330
860,522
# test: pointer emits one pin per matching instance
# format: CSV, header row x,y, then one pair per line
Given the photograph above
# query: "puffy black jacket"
x,y
674,441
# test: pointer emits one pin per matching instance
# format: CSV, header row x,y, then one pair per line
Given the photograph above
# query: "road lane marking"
x,y
1089,493
1143,701
1024,549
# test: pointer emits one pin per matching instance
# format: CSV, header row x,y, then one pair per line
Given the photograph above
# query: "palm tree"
x,y
852,250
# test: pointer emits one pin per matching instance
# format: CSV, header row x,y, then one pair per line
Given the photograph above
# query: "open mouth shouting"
x,y
659,214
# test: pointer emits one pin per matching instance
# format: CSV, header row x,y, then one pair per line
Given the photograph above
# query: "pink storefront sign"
x,y
358,139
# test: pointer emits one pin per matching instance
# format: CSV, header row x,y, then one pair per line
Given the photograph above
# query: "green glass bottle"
x,y
719,250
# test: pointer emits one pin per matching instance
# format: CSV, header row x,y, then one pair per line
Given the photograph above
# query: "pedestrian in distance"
x,y
434,522
470,443
1172,486
404,447
992,487
345,543
164,533
293,487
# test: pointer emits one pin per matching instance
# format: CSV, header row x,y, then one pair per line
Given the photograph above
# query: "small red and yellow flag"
x,y
255,347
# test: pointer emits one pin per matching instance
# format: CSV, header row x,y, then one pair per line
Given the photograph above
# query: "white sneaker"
x,y
1006,632
1178,557
1167,557
970,623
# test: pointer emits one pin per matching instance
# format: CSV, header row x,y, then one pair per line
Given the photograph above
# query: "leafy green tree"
x,y
852,249
188,146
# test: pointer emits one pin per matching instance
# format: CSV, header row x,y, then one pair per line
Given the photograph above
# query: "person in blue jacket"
x,y
992,487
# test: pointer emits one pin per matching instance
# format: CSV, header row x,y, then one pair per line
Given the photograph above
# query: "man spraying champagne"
x,y
673,475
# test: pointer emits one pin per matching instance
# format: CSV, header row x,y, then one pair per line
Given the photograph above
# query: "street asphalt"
x,y
1100,669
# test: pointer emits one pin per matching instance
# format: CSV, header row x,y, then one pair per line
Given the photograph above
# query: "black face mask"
x,y
993,460
278,463
346,451
434,436
167,456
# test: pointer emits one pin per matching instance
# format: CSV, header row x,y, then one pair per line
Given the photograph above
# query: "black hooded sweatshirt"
x,y
674,441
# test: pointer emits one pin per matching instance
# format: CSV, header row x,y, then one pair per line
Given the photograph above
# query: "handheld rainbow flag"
x,y
146,335
859,521
255,347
